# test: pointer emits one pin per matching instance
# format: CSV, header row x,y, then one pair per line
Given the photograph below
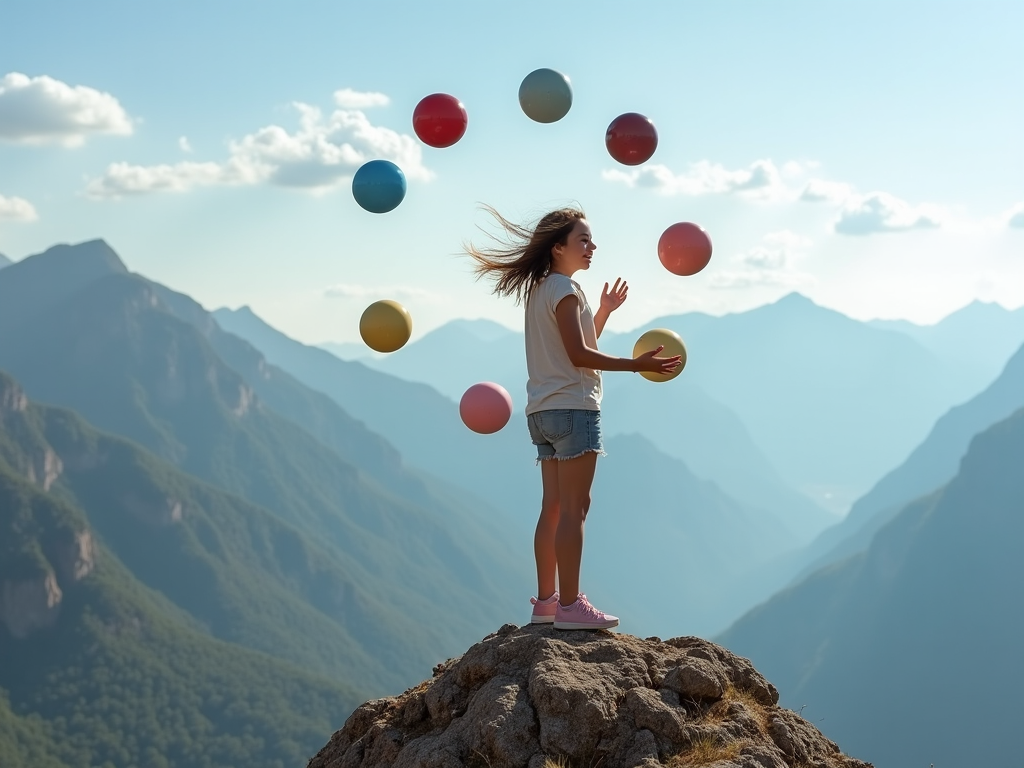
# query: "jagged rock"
x,y
44,468
29,605
76,557
535,697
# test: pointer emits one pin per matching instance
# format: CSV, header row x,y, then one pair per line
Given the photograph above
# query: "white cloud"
x,y
184,145
320,155
882,212
1015,216
346,98
771,263
123,179
761,179
353,291
818,190
41,110
859,214
17,209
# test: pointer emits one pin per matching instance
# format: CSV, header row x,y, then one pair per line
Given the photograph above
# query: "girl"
x,y
563,392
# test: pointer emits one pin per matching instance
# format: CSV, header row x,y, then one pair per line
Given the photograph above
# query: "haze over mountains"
x,y
933,463
910,651
248,495
808,386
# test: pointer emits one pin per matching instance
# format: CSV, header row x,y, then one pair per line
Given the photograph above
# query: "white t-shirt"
x,y
554,381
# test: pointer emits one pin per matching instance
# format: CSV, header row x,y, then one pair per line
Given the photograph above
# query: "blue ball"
x,y
379,186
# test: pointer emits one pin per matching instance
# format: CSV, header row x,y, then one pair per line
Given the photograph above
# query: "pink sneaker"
x,y
582,615
544,610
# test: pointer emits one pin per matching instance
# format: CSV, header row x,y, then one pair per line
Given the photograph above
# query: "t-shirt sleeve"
x,y
559,289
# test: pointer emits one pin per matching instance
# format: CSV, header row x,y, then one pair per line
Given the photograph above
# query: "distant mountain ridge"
x,y
693,428
875,646
4,261
815,388
806,386
931,465
956,337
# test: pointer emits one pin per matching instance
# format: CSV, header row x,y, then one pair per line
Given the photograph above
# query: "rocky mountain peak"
x,y
535,697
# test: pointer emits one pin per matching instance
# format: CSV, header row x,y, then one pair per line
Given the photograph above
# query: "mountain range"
x,y
202,520
4,261
100,668
808,387
909,652
976,338
81,332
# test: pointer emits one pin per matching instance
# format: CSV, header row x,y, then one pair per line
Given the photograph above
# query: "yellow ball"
x,y
385,326
661,337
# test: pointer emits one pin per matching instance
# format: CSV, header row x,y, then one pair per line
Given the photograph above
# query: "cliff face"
x,y
33,459
40,558
28,604
534,697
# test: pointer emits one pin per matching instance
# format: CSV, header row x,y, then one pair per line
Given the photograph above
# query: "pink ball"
x,y
486,407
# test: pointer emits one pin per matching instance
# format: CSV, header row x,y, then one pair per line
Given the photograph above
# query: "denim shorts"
x,y
565,433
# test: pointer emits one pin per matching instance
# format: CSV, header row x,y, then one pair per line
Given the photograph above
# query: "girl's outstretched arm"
x,y
567,315
610,301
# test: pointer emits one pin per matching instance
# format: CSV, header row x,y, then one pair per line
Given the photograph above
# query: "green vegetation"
x,y
120,681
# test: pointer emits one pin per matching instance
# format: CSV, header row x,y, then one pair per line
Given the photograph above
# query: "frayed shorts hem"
x,y
598,451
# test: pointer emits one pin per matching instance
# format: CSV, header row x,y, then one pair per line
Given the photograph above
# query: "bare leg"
x,y
575,477
547,524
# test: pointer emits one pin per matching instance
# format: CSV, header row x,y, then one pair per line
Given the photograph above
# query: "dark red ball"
x,y
631,139
439,120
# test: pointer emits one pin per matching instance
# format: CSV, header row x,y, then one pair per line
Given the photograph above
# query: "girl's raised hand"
x,y
651,363
612,299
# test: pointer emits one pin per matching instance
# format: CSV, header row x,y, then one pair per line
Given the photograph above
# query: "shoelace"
x,y
587,608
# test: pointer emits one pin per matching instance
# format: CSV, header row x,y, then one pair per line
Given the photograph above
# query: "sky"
x,y
869,155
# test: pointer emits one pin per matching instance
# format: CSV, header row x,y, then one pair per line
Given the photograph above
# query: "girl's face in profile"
x,y
577,252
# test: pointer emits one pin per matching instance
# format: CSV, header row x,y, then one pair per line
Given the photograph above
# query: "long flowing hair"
x,y
522,258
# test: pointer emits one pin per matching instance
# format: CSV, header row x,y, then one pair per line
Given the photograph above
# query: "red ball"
x,y
486,407
439,120
684,249
631,139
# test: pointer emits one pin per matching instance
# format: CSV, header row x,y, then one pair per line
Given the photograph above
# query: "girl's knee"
x,y
549,509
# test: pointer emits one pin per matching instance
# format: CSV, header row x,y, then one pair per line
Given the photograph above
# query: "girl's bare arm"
x,y
567,315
